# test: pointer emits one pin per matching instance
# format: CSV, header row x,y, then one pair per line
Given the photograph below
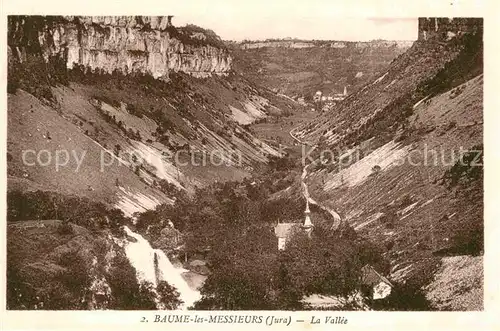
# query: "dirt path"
x,y
337,220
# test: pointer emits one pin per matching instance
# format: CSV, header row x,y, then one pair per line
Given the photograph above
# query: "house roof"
x,y
283,230
371,277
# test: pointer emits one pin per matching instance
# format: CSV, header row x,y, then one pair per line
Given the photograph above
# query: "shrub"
x,y
168,296
134,110
404,297
389,217
376,169
117,150
468,168
65,228
40,205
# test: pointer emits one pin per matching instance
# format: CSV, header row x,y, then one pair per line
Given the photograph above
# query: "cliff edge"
x,y
128,44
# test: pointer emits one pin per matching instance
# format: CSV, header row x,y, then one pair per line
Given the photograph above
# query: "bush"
x,y
185,35
389,217
128,294
65,228
41,205
467,169
403,297
376,169
168,296
134,110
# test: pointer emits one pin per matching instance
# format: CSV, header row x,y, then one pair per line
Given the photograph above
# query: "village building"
x,y
317,96
340,96
284,231
379,287
308,226
330,97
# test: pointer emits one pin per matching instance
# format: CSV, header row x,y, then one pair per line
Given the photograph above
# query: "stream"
x,y
152,265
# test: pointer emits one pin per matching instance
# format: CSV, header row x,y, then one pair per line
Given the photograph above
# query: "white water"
x,y
142,257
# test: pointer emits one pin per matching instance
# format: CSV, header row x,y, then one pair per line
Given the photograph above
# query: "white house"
x,y
380,287
317,96
284,231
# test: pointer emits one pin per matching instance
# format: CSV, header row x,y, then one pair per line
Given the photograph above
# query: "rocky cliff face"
x,y
284,44
444,28
145,44
325,44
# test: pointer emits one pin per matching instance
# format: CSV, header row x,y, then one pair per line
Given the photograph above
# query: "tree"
x,y
117,150
123,283
145,299
322,265
404,297
168,296
288,297
244,268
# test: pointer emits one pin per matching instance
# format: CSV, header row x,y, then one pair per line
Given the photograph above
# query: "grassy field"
x,y
277,130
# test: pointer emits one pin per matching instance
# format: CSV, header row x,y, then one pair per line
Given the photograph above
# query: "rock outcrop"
x,y
325,44
145,44
444,28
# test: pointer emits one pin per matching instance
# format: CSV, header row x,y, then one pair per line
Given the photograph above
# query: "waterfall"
x,y
153,265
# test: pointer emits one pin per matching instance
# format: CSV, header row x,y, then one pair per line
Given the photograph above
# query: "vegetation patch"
x,y
467,169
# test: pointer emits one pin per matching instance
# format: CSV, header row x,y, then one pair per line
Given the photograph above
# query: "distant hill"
x,y
302,67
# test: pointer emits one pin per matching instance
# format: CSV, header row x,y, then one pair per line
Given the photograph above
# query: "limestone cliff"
x,y
444,28
404,44
145,44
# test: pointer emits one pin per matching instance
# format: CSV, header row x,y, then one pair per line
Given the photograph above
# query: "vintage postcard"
x,y
281,165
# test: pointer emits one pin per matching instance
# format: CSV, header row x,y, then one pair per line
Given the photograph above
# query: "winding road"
x,y
337,220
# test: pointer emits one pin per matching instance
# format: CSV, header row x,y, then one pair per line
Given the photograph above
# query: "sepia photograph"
x,y
284,162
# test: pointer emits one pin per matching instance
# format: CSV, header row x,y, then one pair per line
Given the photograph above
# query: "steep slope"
x,y
126,137
47,264
402,161
109,117
428,67
300,68
38,135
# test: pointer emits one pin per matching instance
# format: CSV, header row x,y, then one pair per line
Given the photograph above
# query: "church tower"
x,y
308,225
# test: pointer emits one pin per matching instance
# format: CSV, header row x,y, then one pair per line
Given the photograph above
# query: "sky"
x,y
313,19
353,20
310,27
